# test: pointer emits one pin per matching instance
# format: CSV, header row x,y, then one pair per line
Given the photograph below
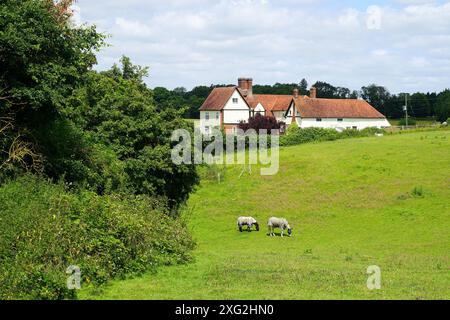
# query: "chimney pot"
x,y
295,93
250,87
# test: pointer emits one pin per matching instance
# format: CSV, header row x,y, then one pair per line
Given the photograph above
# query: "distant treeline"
x,y
420,105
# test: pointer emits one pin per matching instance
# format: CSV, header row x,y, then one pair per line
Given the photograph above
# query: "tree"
x,y
394,106
117,110
303,87
420,106
43,58
443,106
377,96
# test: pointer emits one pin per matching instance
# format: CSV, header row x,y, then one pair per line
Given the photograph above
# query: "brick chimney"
x,y
295,93
246,86
242,83
250,87
313,93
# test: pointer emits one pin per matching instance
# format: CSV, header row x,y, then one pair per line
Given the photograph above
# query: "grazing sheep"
x,y
278,223
247,221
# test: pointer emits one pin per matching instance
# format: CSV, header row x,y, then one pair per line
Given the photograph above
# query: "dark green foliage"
x,y
42,59
411,122
377,96
420,106
442,107
102,136
45,229
117,110
296,135
328,91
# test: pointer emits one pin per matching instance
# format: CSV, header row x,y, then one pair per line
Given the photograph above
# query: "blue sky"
x,y
401,44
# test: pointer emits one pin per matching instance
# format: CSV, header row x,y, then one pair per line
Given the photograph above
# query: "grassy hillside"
x,y
353,203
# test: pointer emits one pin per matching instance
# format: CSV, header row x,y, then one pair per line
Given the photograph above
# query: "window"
x,y
207,130
207,116
355,128
217,115
319,119
235,100
340,120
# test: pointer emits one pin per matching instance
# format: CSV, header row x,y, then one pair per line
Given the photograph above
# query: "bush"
x,y
411,122
259,122
45,229
297,135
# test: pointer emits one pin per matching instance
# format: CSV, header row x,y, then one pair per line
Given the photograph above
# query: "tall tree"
x,y
303,87
443,106
43,58
325,90
420,106
118,111
377,96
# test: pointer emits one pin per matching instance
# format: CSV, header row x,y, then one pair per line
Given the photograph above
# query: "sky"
x,y
403,45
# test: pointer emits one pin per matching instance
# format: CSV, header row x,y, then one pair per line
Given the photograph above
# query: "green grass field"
x,y
353,203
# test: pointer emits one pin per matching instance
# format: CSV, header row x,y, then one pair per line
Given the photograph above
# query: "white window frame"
x,y
207,116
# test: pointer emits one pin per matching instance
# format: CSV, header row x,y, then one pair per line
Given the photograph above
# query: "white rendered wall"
x,y
346,123
214,120
233,113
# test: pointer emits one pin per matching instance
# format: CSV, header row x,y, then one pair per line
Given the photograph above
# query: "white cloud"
x,y
197,42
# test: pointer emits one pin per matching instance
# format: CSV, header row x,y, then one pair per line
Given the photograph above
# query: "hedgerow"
x,y
296,135
45,229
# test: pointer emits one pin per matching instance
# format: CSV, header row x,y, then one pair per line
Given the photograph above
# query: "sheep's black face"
x,y
290,231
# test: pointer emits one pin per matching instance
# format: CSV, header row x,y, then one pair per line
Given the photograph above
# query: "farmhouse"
x,y
227,107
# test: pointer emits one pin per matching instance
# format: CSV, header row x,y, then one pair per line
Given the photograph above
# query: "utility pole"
x,y
406,108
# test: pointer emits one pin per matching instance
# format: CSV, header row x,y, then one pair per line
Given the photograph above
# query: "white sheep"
x,y
278,223
247,221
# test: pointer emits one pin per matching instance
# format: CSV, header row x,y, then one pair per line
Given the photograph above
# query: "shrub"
x,y
299,136
304,135
45,229
259,122
293,128
411,122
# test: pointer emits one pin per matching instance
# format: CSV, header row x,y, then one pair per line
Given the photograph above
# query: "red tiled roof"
x,y
335,108
217,99
270,102
308,108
